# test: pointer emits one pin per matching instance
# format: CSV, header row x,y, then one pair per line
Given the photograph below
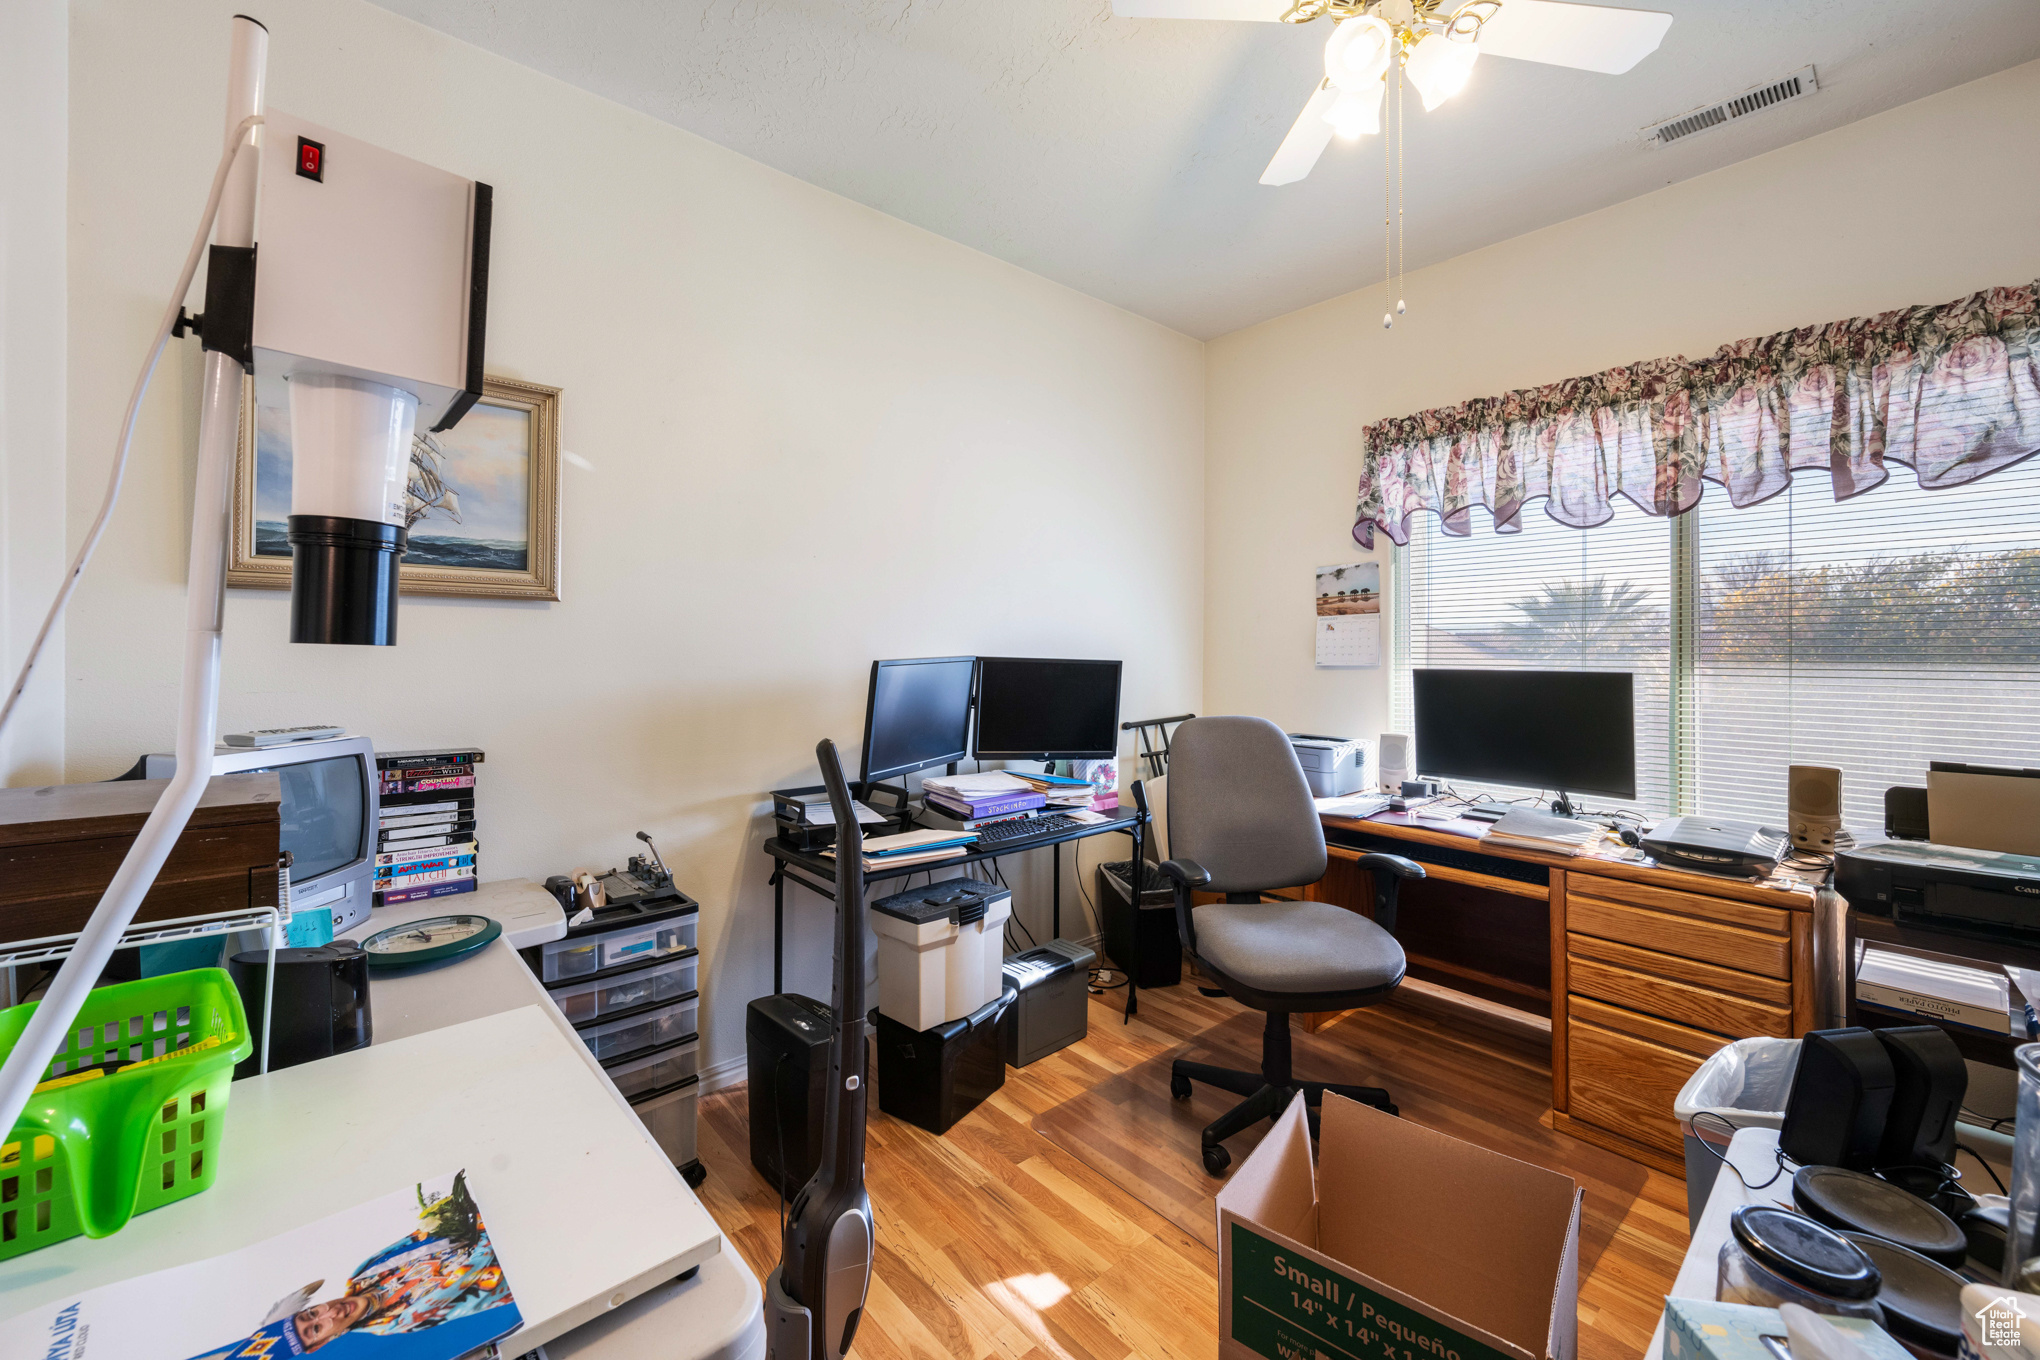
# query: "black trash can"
x,y
933,1077
1141,943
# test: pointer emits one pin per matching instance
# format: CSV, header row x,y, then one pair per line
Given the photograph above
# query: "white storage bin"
x,y
633,1033
582,1001
656,1071
573,958
670,1119
940,948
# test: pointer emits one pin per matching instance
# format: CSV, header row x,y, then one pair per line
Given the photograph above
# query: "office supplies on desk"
x,y
1716,845
912,847
1063,791
980,804
1035,708
1984,807
1574,731
1527,830
1353,805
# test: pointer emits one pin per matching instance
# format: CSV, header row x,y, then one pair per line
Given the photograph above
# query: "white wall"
x,y
33,76
1918,205
810,435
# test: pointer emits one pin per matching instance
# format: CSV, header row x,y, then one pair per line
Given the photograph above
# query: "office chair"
x,y
1241,823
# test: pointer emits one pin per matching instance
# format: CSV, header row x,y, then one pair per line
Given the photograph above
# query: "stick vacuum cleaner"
x,y
816,1295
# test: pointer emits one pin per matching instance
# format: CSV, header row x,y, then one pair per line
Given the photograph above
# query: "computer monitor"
x,y
917,715
1032,708
1569,731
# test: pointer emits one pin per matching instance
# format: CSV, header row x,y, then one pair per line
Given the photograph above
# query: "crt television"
x,y
330,804
917,715
1568,731
1033,708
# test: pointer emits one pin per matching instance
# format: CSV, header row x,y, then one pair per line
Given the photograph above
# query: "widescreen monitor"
x,y
1567,731
917,715
1033,708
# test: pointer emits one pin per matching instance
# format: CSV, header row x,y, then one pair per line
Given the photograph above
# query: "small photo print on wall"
x,y
1349,615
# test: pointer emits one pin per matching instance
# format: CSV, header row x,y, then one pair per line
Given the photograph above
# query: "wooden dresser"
x,y
1646,971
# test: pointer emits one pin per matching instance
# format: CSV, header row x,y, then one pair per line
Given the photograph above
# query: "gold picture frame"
x,y
506,406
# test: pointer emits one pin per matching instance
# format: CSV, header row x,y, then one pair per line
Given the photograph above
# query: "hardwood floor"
x,y
995,1241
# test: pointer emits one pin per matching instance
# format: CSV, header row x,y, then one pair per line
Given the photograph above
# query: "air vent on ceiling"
x,y
1798,85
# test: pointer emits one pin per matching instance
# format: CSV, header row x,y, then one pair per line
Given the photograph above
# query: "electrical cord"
x,y
127,428
1722,1157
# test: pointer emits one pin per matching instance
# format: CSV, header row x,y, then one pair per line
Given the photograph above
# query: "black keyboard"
x,y
1026,829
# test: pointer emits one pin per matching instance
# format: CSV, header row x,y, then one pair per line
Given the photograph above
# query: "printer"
x,y
1334,766
1950,888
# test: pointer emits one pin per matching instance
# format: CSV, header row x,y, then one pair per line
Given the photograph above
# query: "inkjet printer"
x,y
1950,888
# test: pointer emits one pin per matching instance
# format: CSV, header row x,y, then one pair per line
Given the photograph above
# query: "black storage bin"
x,y
933,1077
1142,944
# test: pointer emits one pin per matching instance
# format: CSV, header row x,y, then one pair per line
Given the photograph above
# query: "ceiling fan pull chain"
x,y
1401,199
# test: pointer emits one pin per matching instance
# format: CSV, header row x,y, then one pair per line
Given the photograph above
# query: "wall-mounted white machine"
x,y
353,284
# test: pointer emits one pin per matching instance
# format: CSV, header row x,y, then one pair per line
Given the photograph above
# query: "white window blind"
x,y
1875,634
1549,598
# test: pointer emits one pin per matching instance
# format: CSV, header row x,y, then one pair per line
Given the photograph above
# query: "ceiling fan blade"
x,y
1588,37
1306,140
1263,11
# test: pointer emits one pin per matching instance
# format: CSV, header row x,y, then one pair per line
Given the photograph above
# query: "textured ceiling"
x,y
1120,156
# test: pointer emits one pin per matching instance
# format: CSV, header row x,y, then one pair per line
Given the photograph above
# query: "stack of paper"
x,y
913,847
1059,789
1970,997
823,814
970,796
1526,830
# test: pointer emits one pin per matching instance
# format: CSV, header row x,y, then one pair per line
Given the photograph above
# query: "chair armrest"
x,y
1394,864
1187,872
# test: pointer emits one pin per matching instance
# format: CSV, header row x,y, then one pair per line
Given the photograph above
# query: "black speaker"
x,y
1905,813
1930,1081
786,1055
1841,1094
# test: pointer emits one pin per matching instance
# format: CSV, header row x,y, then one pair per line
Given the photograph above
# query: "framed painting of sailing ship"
x,y
483,498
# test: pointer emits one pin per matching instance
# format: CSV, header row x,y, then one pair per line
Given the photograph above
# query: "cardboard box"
x,y
1398,1242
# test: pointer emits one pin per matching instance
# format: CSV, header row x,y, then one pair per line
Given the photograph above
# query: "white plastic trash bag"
x,y
1745,1083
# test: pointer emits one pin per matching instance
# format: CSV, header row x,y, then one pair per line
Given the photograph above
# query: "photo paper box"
x,y
1398,1241
1701,1329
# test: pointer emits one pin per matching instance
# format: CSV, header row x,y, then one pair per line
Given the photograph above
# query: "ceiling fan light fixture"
x,y
1358,52
1439,67
1356,113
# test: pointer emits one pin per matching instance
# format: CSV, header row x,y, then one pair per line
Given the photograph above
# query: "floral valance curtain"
x,y
1952,391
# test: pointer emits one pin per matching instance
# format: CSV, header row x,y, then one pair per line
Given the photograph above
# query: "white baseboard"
x,y
723,1075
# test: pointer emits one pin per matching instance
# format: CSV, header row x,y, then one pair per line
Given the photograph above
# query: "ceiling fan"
x,y
1429,43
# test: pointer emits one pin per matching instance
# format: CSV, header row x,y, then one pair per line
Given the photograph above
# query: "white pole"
x,y
205,593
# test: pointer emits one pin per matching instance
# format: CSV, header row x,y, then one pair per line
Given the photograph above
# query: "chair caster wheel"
x,y
1217,1159
1179,1087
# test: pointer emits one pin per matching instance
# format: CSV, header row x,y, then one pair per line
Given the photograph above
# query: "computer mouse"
x,y
1629,836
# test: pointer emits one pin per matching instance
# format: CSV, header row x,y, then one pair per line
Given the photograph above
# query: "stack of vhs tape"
x,y
425,839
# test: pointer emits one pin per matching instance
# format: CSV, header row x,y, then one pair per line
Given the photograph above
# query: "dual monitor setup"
x,y
920,712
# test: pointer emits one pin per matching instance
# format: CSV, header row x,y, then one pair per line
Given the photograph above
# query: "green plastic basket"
x,y
87,1157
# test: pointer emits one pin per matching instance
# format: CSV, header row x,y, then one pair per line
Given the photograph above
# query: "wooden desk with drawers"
x,y
1644,971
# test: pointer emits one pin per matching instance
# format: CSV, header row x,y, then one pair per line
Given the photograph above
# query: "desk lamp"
x,y
366,315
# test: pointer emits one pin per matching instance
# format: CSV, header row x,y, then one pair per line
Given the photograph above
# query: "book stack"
x,y
1526,830
912,847
975,797
425,837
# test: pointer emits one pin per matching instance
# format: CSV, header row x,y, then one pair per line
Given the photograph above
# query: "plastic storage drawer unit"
x,y
655,1072
591,1000
669,1117
582,956
647,1029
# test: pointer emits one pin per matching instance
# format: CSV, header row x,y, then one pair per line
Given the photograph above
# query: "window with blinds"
x,y
1874,635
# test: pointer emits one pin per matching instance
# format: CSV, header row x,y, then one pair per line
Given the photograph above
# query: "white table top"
x,y
1754,1152
471,1066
